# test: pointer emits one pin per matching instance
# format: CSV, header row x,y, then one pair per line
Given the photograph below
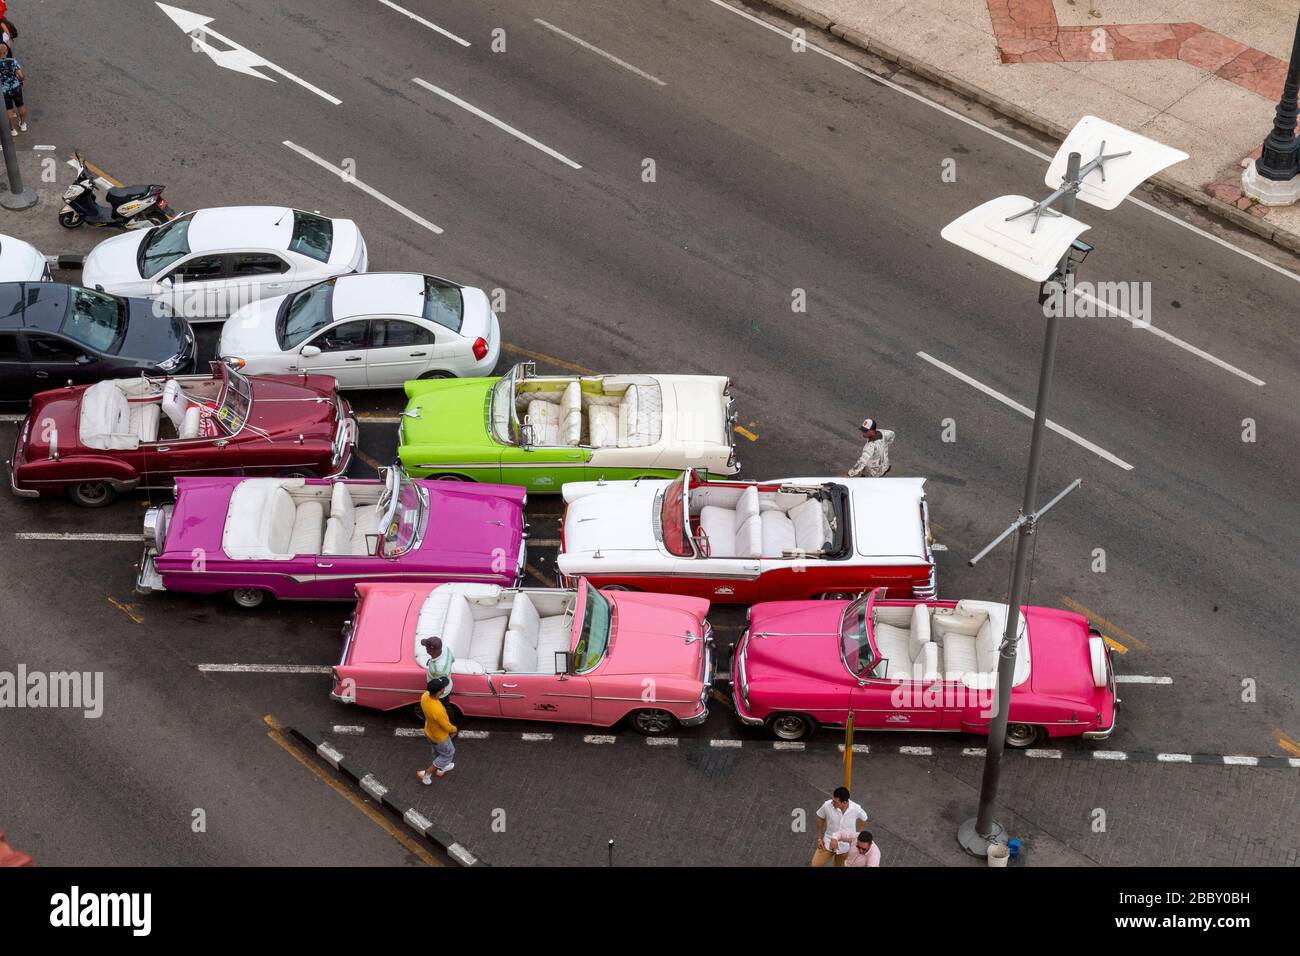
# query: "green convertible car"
x,y
540,431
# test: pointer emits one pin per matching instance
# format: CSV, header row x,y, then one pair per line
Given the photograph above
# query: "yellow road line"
x,y
388,826
548,359
367,459
1286,743
741,430
1104,624
1115,646
99,172
127,609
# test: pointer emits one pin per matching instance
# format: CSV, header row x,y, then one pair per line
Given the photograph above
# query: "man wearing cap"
x,y
874,461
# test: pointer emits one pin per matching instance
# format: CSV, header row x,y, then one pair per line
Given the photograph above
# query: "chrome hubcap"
x,y
789,727
248,597
654,721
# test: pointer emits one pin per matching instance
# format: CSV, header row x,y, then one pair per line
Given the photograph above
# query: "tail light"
x,y
480,348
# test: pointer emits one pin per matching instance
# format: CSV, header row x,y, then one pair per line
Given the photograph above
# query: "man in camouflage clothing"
x,y
874,461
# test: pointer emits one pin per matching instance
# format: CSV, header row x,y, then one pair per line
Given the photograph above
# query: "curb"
x,y
440,839
1225,211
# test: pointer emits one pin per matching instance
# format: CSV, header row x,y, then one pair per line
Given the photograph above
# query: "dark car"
x,y
52,334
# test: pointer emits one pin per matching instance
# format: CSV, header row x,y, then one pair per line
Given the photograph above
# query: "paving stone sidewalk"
x,y
1201,75
557,802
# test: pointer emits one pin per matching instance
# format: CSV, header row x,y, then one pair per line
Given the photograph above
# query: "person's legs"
x,y
9,108
426,775
822,856
840,858
444,754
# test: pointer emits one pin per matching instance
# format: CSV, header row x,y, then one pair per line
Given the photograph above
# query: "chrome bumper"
x,y
354,432
147,578
1105,732
348,630
707,677
12,463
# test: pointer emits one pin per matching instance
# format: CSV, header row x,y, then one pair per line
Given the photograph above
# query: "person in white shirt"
x,y
835,818
874,460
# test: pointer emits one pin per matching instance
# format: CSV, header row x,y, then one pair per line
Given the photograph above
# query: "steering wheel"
x,y
702,542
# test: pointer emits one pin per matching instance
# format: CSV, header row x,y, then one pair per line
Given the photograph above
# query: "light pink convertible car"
x,y
582,657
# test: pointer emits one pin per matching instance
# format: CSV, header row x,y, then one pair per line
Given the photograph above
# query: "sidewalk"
x,y
556,802
40,224
1201,75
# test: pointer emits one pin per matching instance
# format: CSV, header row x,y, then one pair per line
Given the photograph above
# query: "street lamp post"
x,y
1274,178
15,197
1041,243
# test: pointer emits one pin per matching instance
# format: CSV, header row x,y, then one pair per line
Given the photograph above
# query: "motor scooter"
x,y
129,207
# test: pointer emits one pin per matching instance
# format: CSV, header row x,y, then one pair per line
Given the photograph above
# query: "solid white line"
x,y
266,668
1002,136
916,751
1049,754
418,19
973,751
45,147
12,418
1161,333
495,122
472,734
537,737
726,743
599,739
661,741
1235,761
1141,679
1174,758
73,536
414,732
545,542
1011,403
264,62
857,748
595,49
368,190
1294,761
787,745
351,729
380,419
1109,755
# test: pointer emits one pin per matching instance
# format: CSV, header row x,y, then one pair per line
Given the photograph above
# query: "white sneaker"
x,y
447,769
23,127
12,131
425,778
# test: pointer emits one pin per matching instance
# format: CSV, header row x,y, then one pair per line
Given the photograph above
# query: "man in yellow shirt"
x,y
439,729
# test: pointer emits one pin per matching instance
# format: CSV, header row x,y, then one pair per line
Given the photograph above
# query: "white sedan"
x,y
376,330
209,263
21,262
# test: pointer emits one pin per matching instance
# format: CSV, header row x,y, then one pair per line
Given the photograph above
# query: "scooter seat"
x,y
120,194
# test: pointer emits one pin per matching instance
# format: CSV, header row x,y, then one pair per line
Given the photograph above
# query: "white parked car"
x,y
207,264
376,330
21,262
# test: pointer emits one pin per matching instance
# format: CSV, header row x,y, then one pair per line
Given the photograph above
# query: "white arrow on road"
x,y
237,58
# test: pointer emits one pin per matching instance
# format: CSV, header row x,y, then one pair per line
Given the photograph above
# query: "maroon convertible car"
x,y
94,441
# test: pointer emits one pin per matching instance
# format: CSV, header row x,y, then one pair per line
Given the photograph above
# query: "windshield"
x,y
164,245
855,645
443,303
594,636
671,519
313,236
94,319
504,422
304,313
406,527
236,401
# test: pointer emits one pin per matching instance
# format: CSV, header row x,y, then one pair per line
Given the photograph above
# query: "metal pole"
x,y
848,753
16,197
611,853
976,835
1279,160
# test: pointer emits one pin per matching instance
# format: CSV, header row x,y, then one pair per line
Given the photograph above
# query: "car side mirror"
x,y
309,351
563,662
83,359
165,282
526,433
880,669
98,287
374,546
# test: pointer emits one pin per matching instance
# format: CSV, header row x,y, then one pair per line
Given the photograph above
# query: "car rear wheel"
x,y
617,587
437,374
249,598
651,722
790,726
1023,735
92,494
453,712
449,478
836,596
297,473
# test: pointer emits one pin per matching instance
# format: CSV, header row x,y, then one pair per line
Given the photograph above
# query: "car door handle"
x,y
222,443
164,448
751,567
509,685
42,374
324,565
575,457
353,358
419,354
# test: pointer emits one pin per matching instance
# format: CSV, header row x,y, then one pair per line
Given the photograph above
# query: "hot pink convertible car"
x,y
580,657
920,665
315,539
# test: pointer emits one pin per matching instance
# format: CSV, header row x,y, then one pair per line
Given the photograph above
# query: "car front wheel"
x,y
428,375
651,722
92,494
249,598
1023,735
790,726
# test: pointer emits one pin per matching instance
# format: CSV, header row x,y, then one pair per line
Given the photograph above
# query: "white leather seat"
x,y
145,417
174,403
544,420
342,521
520,652
719,524
190,423
105,420
366,523
811,532
911,653
308,528
602,426
555,634
473,641
640,416
571,414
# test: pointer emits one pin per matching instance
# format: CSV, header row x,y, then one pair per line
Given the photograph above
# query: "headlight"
x,y
172,364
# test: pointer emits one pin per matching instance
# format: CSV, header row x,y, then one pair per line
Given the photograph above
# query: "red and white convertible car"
x,y
744,541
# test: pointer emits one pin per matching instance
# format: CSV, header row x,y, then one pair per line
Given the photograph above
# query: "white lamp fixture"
x,y
1106,185
1028,246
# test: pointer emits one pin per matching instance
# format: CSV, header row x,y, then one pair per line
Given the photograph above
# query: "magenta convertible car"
x,y
307,539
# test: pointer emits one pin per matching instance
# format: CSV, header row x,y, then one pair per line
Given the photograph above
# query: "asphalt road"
x,y
774,171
